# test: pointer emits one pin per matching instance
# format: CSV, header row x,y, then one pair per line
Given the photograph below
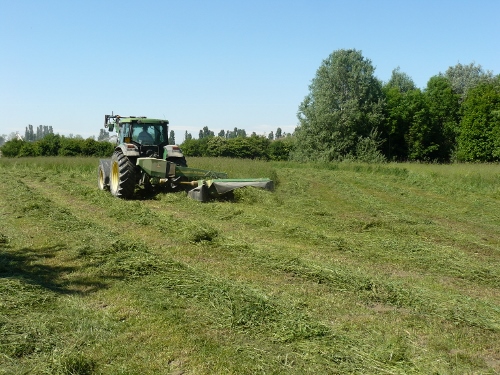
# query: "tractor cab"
x,y
144,137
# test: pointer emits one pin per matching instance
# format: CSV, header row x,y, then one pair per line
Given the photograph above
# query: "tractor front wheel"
x,y
122,176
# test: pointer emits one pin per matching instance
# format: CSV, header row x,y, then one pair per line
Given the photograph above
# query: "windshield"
x,y
149,134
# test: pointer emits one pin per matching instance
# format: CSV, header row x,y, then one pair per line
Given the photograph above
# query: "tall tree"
x,y
402,100
444,107
103,135
465,77
278,133
479,138
29,134
171,138
205,133
344,105
400,80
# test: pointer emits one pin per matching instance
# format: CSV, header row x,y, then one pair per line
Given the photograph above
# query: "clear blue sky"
x,y
221,64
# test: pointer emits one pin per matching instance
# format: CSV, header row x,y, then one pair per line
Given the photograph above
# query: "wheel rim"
x,y
115,177
101,179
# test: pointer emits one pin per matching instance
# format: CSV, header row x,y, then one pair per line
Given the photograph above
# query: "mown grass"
x,y
344,268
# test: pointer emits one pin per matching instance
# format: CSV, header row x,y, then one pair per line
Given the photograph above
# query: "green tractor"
x,y
143,159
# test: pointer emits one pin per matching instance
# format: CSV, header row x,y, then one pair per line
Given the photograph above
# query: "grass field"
x,y
345,268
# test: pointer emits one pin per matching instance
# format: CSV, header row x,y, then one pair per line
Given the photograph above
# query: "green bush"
x,y
12,148
54,145
254,147
280,149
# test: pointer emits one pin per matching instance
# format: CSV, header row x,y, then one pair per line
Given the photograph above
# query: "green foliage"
x,y
54,145
420,125
479,138
195,147
465,77
70,147
28,149
49,145
281,148
206,133
400,81
171,138
443,104
91,147
343,104
103,135
401,107
368,149
433,128
41,132
12,148
254,147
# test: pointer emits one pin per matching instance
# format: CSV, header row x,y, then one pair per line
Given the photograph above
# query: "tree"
x,y
278,133
465,77
270,136
344,105
280,149
479,138
171,138
444,107
222,134
402,101
205,133
12,147
50,145
103,135
187,136
401,81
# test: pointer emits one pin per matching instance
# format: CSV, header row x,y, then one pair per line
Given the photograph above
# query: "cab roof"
x,y
143,119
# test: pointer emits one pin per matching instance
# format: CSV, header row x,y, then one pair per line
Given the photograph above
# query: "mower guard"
x,y
207,189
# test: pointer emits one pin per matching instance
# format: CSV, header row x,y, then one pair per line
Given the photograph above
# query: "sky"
x,y
216,63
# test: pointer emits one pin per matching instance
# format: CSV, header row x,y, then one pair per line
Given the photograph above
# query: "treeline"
x,y
56,145
349,113
235,133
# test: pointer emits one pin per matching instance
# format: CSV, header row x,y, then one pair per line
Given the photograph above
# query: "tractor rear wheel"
x,y
122,176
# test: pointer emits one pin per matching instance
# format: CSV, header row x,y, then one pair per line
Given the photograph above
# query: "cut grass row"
x,y
344,269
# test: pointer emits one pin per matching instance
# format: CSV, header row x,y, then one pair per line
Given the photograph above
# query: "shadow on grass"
x,y
30,266
144,195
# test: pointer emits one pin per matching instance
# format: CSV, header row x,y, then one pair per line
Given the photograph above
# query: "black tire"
x,y
121,176
103,174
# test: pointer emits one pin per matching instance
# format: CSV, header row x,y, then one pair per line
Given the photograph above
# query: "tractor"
x,y
144,159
